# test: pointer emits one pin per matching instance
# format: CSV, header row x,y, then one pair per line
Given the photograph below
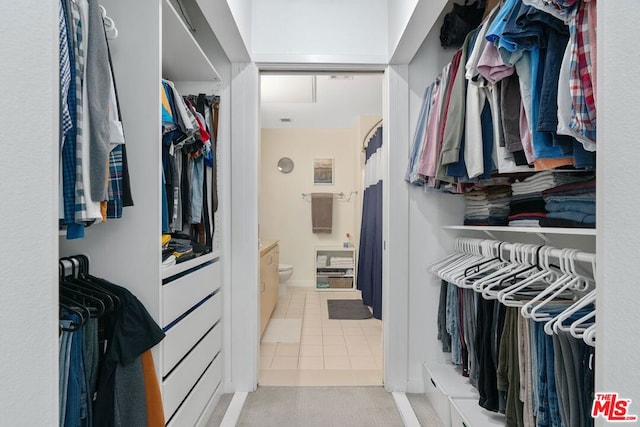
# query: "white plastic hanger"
x,y
555,324
558,288
109,25
545,273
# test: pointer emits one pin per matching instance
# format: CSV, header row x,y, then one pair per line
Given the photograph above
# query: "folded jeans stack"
x,y
571,205
528,206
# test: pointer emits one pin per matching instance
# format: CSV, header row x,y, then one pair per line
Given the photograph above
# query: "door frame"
x,y
242,314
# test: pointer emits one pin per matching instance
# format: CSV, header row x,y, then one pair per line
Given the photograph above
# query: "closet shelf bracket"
x,y
490,234
544,238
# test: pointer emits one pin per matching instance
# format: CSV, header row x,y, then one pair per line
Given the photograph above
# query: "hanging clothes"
x,y
369,279
94,179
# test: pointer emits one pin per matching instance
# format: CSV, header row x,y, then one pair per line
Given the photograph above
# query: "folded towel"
x,y
322,212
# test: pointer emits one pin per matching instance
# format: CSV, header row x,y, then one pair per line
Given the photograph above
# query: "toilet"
x,y
285,271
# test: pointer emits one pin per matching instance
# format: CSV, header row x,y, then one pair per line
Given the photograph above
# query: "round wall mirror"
x,y
285,165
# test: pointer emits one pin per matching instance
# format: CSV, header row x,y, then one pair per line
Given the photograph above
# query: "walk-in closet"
x,y
167,247
445,247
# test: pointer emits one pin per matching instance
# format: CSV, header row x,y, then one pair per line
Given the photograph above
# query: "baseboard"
x,y
301,283
233,411
210,407
407,413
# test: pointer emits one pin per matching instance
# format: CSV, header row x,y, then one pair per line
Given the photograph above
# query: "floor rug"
x,y
348,309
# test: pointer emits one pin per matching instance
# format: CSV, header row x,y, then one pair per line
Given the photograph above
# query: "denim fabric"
x,y
561,379
543,147
548,115
452,324
572,216
487,141
587,207
64,359
496,28
77,407
583,159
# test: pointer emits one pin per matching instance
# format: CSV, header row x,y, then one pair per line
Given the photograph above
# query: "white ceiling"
x,y
319,101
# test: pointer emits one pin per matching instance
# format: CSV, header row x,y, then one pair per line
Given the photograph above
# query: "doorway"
x,y
313,130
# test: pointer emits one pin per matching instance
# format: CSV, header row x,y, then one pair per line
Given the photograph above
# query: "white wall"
x,y
399,13
28,184
618,347
428,212
329,31
409,23
241,11
284,214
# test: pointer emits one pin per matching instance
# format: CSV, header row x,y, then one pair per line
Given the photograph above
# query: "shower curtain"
x,y
370,258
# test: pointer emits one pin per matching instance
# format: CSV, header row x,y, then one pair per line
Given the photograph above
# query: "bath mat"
x,y
348,309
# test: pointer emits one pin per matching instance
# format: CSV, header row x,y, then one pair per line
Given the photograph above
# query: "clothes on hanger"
x,y
520,369
517,97
94,178
188,153
107,376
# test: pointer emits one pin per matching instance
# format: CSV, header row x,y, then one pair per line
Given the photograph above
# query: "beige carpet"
x,y
221,409
424,410
320,407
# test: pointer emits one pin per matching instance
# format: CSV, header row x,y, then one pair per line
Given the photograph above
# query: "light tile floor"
x,y
329,352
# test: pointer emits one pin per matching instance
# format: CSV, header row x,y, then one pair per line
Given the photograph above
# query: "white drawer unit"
x,y
181,294
200,397
443,381
467,413
187,332
176,386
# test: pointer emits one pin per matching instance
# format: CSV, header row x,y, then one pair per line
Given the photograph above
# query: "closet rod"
x,y
554,252
368,134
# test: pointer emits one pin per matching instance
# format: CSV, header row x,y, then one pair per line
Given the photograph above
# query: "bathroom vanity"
x,y
269,280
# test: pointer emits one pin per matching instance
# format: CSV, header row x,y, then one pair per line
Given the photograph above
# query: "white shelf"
x,y
529,230
182,57
470,414
449,380
184,266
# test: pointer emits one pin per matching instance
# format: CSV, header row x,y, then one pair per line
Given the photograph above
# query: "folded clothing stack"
x,y
528,207
487,206
322,260
341,262
571,205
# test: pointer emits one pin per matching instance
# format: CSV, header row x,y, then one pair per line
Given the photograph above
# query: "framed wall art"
x,y
323,171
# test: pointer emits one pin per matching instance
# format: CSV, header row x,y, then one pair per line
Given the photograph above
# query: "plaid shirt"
x,y
114,205
69,147
583,118
65,76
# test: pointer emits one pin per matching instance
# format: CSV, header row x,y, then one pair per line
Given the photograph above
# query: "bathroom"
x,y
314,128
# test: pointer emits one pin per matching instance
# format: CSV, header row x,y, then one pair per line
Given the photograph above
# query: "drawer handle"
x,y
433,382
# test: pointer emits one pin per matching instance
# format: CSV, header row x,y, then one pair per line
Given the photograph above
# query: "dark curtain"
x,y
370,257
